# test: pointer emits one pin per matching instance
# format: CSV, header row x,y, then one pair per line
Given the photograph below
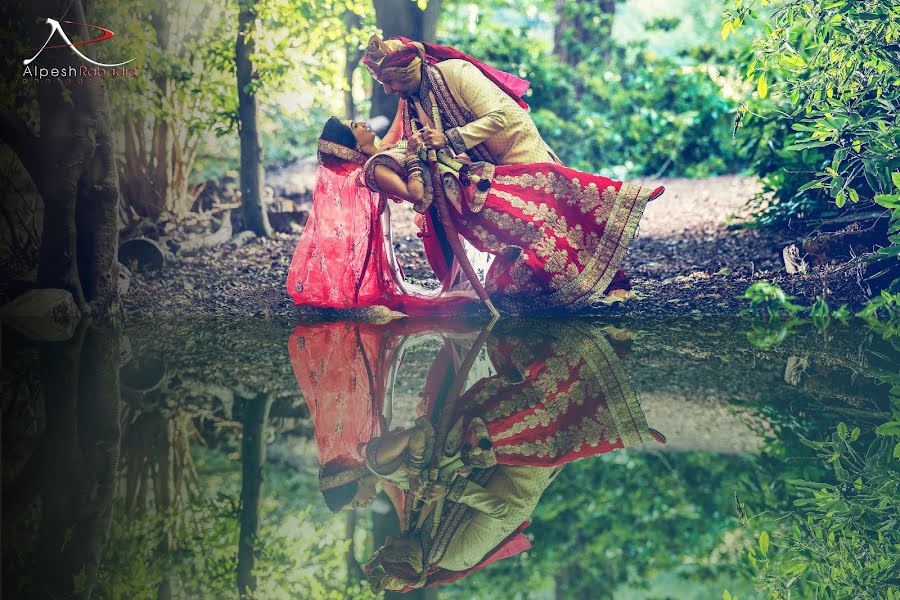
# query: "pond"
x,y
632,459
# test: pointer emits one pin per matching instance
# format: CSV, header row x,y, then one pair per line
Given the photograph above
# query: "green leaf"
x,y
842,429
726,595
762,86
840,201
897,450
854,195
895,177
891,201
889,428
726,30
764,543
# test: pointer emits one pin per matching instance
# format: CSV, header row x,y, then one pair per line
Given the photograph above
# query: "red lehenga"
x,y
345,258
559,235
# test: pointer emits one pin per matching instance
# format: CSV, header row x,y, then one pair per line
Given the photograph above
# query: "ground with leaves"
x,y
685,260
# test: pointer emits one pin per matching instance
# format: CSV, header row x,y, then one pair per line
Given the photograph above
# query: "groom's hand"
x,y
434,139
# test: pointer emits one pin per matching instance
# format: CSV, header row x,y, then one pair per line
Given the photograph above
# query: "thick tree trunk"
x,y
253,460
73,167
255,217
402,17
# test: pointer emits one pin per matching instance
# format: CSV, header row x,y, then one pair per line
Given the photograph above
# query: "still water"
x,y
443,459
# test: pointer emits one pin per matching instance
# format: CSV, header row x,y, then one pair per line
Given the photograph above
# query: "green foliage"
x,y
843,538
623,107
829,132
618,521
301,547
768,297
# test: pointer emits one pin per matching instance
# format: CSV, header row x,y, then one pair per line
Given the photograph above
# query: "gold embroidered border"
x,y
328,482
342,152
613,244
621,396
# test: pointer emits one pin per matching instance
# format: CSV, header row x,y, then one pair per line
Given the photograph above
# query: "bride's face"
x,y
362,132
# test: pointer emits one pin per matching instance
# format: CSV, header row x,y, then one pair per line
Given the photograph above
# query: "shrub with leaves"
x,y
828,85
844,541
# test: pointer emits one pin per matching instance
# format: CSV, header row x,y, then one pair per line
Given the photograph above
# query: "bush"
x,y
636,114
829,137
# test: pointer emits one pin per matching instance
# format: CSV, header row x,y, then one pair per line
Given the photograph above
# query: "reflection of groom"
x,y
481,111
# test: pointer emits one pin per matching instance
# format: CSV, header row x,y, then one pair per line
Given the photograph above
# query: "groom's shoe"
x,y
619,296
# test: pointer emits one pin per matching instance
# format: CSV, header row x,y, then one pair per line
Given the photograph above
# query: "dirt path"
x,y
684,261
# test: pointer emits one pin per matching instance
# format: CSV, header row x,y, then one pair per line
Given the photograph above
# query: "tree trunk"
x,y
402,17
73,167
577,33
354,570
72,472
353,54
253,460
255,217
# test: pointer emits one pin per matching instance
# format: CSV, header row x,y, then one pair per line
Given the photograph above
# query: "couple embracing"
x,y
504,224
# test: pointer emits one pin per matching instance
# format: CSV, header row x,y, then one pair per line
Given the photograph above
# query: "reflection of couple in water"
x,y
500,413
502,221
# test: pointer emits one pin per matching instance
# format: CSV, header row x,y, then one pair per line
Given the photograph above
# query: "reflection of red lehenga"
x,y
559,235
559,394
340,369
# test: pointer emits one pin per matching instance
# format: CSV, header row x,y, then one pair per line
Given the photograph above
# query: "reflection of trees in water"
x,y
58,505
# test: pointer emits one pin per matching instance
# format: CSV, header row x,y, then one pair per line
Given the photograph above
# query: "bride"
x,y
344,261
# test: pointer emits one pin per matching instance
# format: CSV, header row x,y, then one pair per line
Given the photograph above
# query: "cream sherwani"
x,y
505,128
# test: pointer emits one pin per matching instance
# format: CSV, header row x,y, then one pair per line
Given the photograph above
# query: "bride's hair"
x,y
337,146
339,133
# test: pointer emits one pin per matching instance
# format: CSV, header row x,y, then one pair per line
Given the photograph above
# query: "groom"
x,y
481,108
481,111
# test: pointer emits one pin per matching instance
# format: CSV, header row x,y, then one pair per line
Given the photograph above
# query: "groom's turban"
x,y
396,59
400,59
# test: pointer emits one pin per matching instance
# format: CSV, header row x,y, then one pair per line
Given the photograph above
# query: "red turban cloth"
x,y
382,57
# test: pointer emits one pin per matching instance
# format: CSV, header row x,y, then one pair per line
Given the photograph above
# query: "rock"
x,y
285,215
141,253
241,239
45,315
220,237
143,374
793,261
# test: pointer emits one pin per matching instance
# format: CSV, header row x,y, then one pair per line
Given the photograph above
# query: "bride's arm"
x,y
393,185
